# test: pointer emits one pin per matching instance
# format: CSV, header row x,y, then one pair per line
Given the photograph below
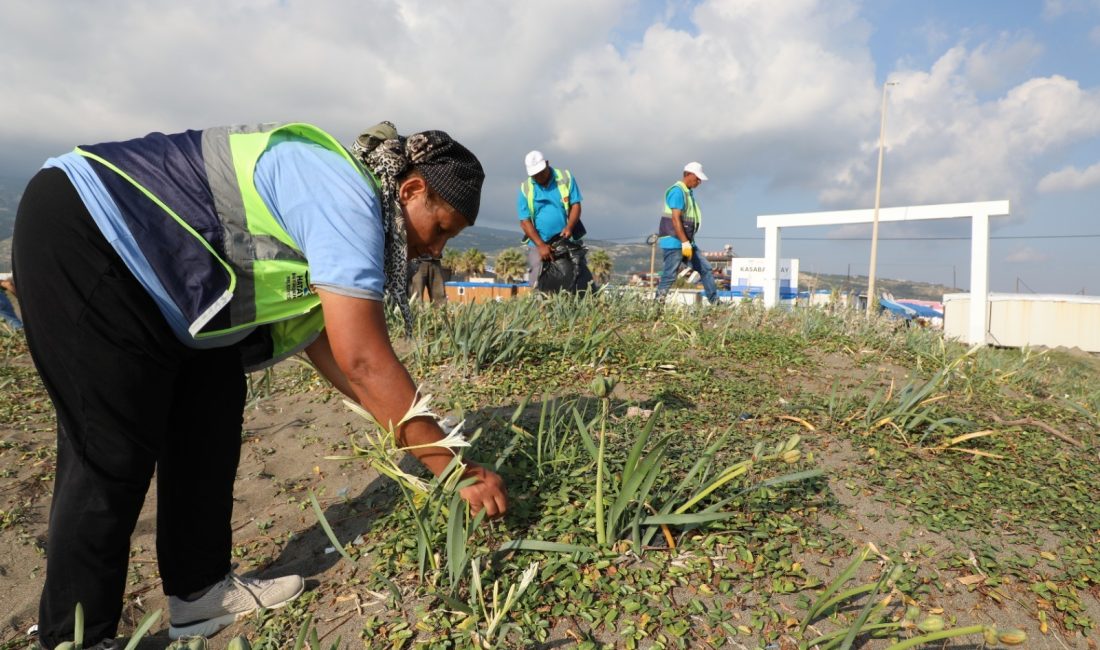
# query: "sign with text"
x,y
747,276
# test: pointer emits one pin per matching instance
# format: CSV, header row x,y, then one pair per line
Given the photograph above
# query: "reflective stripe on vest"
x,y
564,180
266,276
691,217
691,208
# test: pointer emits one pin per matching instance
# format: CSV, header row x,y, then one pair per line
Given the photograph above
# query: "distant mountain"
x,y
487,240
10,191
626,258
634,258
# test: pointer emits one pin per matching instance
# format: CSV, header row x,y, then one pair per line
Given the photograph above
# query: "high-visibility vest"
x,y
691,217
191,203
564,181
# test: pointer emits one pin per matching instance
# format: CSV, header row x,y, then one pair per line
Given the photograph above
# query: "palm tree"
x,y
474,261
510,265
452,261
599,262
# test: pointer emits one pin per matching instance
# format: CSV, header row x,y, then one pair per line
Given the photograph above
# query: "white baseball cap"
x,y
535,162
697,169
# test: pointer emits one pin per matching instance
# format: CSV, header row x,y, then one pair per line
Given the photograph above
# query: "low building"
x,y
483,290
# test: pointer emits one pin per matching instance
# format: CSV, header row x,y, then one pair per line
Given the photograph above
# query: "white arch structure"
x,y
978,213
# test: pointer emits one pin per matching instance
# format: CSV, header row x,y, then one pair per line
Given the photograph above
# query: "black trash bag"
x,y
562,272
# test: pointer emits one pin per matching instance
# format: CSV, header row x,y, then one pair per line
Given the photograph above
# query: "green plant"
x,y
77,643
630,511
494,609
380,450
913,411
481,335
872,617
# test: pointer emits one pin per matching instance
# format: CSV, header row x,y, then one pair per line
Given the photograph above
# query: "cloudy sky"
x,y
779,99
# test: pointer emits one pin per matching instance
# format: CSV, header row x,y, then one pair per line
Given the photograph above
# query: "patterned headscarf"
x,y
449,168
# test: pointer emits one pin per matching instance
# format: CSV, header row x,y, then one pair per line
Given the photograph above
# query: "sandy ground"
x,y
286,439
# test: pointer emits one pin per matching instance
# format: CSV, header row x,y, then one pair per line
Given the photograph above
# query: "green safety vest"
x,y
267,276
564,180
691,217
691,208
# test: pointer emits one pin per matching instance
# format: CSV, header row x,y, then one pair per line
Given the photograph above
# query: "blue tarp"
x,y
923,311
897,309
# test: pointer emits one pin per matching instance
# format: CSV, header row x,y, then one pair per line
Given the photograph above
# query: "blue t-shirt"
x,y
676,201
329,210
550,216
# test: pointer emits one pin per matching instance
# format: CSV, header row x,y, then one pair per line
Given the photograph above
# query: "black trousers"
x,y
130,400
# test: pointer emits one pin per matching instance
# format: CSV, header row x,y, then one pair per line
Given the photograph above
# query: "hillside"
x,y
634,258
627,258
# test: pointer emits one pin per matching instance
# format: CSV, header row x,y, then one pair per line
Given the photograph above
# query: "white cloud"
x,y
1026,255
945,144
783,93
1053,9
1070,179
991,65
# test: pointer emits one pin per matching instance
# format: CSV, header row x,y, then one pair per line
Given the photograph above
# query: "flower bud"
x,y
791,457
602,386
932,623
990,634
1012,637
238,643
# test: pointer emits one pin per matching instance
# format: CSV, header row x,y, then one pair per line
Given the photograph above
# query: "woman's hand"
x,y
487,494
356,355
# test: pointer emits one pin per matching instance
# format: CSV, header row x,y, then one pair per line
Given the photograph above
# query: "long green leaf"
x,y
937,636
629,491
78,626
601,533
786,478
540,545
303,632
835,586
687,519
325,527
639,444
868,609
143,627
586,437
456,540
703,462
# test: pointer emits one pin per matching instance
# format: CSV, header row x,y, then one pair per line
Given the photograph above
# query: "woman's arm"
x,y
356,356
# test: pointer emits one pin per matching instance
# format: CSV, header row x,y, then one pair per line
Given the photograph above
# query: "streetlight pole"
x,y
871,300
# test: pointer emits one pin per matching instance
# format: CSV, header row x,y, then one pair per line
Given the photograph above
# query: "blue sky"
x,y
779,99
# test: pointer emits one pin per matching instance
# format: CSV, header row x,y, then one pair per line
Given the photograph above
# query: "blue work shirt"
x,y
326,206
676,201
550,216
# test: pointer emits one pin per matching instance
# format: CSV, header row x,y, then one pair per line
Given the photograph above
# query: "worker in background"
x,y
549,208
427,273
7,310
152,274
677,230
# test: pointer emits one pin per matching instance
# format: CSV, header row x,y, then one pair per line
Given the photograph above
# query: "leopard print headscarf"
x,y
450,169
387,160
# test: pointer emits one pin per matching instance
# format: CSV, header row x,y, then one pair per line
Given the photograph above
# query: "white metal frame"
x,y
978,213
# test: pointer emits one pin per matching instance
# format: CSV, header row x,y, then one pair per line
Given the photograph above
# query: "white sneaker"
x,y
229,600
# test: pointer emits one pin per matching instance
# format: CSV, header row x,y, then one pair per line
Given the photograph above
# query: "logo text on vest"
x,y
297,285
